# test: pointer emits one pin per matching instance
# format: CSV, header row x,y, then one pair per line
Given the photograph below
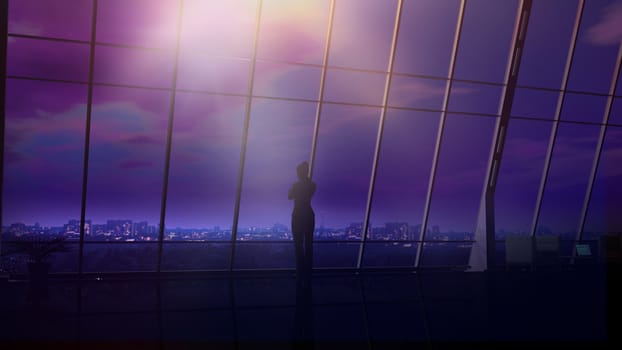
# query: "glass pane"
x,y
606,204
394,254
518,182
583,108
143,23
354,87
571,162
126,163
485,40
120,257
279,138
356,19
345,151
615,116
218,27
116,65
205,157
547,42
264,255
445,254
286,80
597,47
47,59
199,71
332,254
293,31
195,256
43,156
426,37
51,18
417,92
475,98
534,103
460,176
403,174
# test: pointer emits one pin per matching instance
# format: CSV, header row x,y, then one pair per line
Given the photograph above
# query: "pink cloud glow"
x,y
608,31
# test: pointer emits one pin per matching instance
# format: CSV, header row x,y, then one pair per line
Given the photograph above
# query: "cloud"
x,y
608,31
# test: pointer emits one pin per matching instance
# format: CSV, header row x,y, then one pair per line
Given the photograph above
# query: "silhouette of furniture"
x,y
519,251
547,251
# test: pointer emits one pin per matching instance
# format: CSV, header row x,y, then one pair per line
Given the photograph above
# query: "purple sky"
x,y
45,121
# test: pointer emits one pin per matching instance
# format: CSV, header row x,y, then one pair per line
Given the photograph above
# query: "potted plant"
x,y
38,250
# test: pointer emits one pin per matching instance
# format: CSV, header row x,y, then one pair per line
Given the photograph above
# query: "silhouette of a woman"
x,y
303,222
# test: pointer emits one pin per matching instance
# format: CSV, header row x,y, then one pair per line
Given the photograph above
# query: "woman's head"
x,y
302,170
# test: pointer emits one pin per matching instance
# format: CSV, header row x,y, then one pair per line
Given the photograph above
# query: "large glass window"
x,y
417,93
43,151
485,40
427,30
532,103
293,31
205,157
286,81
403,174
356,19
572,158
126,162
547,43
603,211
190,63
354,87
342,169
460,176
523,158
137,22
67,19
280,137
615,116
138,67
36,58
43,159
401,185
597,46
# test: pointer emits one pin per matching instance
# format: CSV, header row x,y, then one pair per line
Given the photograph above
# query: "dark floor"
x,y
375,310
